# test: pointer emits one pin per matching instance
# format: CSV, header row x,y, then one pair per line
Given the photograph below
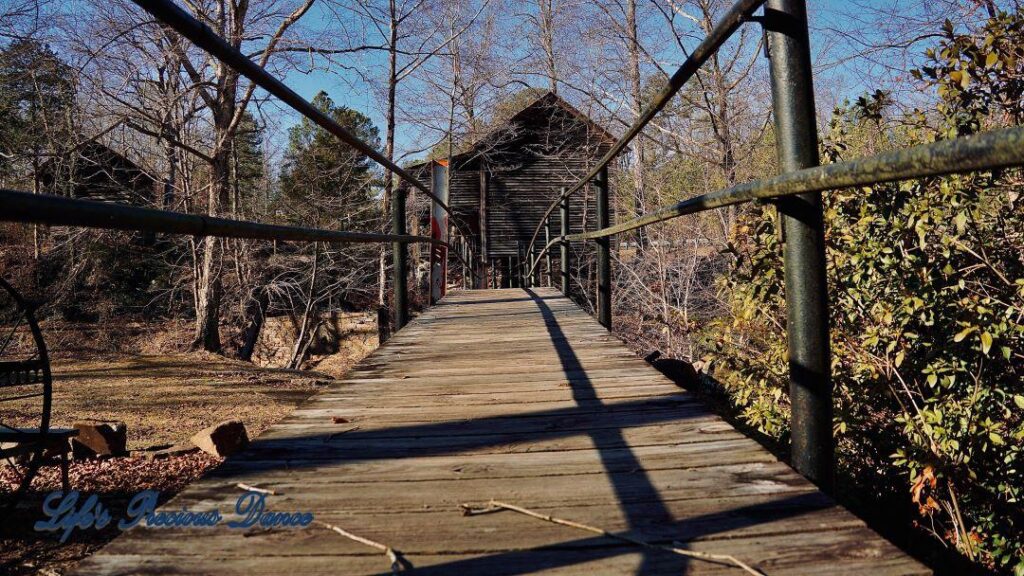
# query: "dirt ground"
x,y
166,399
163,399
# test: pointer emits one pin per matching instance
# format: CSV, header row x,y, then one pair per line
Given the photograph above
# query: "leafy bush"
x,y
926,285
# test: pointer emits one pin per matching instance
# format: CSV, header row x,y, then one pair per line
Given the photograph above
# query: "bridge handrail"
x,y
26,207
986,151
61,211
739,13
797,193
169,13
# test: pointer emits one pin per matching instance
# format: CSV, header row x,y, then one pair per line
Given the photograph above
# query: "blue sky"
x,y
837,28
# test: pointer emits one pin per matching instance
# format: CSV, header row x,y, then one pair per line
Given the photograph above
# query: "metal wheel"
x,y
25,387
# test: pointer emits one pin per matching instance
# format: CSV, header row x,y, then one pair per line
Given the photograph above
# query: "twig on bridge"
x,y
336,434
495,505
397,563
248,488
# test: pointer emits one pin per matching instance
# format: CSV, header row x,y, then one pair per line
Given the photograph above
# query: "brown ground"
x,y
163,399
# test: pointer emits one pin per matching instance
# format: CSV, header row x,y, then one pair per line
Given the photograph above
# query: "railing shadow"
x,y
585,395
590,549
646,513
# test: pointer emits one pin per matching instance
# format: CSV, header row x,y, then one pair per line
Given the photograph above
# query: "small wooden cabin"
x,y
97,172
500,187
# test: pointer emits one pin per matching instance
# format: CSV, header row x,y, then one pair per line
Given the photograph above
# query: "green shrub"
x,y
926,286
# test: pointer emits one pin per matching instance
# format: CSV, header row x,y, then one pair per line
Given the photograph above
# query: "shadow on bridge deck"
x,y
516,396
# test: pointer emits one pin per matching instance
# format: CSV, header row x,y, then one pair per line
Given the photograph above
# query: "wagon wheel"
x,y
25,388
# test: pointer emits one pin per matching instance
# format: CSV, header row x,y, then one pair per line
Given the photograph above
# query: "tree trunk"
x,y
299,350
389,146
209,288
170,180
256,312
36,248
547,38
208,293
636,94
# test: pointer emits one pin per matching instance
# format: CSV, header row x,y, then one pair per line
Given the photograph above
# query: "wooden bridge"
x,y
516,396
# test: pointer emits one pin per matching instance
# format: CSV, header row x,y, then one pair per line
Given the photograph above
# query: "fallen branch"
x,y
339,433
727,559
397,564
255,489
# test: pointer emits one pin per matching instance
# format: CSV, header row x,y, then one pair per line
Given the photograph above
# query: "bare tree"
x,y
175,86
408,33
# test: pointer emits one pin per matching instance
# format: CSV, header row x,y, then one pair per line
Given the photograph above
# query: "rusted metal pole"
x,y
538,277
61,211
438,229
604,254
547,253
467,271
564,264
803,230
987,151
731,20
400,255
172,15
520,276
485,243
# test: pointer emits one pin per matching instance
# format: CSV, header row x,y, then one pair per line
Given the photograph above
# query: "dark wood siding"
x,y
546,146
520,196
98,173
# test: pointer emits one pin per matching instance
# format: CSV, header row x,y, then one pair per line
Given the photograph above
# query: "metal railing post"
x,y
547,253
810,383
399,254
604,254
465,258
564,264
520,274
539,274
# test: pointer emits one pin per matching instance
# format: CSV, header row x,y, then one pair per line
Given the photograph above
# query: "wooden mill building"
x,y
501,185
98,172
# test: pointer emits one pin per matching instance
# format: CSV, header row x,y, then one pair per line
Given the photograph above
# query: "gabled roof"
x,y
549,99
91,149
544,101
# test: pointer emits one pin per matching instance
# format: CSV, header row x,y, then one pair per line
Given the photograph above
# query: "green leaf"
x,y
991,59
996,439
1019,401
961,221
964,333
986,342
899,358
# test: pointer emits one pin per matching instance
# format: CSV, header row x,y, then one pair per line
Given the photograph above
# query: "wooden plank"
x,y
517,396
829,553
499,465
425,531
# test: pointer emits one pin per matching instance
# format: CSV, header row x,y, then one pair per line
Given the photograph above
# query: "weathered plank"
x,y
516,396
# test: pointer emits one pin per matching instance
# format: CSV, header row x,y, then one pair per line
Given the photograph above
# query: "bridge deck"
x,y
519,397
